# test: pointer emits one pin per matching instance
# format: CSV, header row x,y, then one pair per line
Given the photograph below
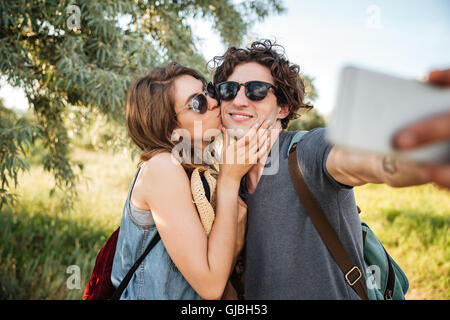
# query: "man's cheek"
x,y
226,121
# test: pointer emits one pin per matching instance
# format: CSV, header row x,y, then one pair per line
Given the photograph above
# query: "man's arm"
x,y
355,168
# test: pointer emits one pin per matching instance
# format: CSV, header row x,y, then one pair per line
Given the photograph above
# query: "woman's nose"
x,y
212,103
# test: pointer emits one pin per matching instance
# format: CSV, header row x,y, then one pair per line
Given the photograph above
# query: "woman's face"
x,y
199,126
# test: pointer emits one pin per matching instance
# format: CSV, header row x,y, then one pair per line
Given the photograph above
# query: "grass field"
x,y
38,243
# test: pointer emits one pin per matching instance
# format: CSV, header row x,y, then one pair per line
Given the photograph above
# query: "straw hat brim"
x,y
205,207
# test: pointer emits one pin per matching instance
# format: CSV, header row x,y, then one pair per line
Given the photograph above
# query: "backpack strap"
x,y
120,289
352,273
296,138
118,293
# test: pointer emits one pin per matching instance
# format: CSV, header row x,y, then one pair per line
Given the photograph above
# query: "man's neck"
x,y
255,173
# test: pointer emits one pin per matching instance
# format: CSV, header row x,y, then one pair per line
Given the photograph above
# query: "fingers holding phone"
x,y
429,130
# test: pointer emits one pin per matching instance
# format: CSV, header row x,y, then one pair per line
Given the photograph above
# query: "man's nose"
x,y
241,99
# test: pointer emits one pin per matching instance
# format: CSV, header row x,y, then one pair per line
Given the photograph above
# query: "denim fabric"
x,y
157,278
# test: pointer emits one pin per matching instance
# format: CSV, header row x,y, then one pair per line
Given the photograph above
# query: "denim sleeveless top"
x,y
157,278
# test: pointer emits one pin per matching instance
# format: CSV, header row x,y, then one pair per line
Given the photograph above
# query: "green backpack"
x,y
385,280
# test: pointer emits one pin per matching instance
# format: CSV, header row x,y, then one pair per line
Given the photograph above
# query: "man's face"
x,y
243,113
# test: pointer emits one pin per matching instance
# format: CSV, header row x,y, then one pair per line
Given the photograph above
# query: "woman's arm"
x,y
204,261
230,292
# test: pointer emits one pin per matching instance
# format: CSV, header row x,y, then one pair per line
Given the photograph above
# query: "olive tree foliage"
x,y
309,118
80,57
16,133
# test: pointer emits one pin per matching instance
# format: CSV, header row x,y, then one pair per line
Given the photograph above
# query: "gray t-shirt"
x,y
285,258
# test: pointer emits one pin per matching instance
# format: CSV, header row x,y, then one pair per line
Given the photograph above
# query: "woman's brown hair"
x,y
290,87
150,109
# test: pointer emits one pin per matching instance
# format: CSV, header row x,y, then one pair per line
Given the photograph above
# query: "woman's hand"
x,y
238,157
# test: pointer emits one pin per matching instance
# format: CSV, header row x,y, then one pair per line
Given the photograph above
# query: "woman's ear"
x,y
283,112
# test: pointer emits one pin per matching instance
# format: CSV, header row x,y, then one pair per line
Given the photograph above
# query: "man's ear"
x,y
283,112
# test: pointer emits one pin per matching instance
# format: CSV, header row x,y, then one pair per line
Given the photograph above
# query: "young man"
x,y
285,257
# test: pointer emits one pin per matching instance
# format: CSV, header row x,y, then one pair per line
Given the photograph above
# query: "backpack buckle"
x,y
293,148
351,283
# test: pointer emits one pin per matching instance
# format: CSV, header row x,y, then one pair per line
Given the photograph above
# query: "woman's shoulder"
x,y
163,164
158,176
159,179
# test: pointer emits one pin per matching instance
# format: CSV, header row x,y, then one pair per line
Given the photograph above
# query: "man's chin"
x,y
237,130
233,125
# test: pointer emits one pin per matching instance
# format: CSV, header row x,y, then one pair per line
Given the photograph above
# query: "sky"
x,y
406,38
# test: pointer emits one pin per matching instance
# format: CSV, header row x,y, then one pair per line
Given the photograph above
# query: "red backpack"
x,y
100,286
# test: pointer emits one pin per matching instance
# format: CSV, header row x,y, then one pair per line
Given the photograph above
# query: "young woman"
x,y
187,263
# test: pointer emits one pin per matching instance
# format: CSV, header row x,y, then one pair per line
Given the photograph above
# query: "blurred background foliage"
x,y
75,77
17,132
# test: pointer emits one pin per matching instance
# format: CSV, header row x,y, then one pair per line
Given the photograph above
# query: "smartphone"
x,y
370,107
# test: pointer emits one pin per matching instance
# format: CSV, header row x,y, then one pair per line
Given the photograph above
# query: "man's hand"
x,y
429,130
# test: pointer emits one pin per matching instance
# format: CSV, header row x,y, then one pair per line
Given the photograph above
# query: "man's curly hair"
x,y
290,87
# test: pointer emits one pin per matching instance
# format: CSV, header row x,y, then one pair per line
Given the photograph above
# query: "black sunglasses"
x,y
254,90
198,103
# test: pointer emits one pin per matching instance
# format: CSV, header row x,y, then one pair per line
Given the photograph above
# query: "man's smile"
x,y
240,116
